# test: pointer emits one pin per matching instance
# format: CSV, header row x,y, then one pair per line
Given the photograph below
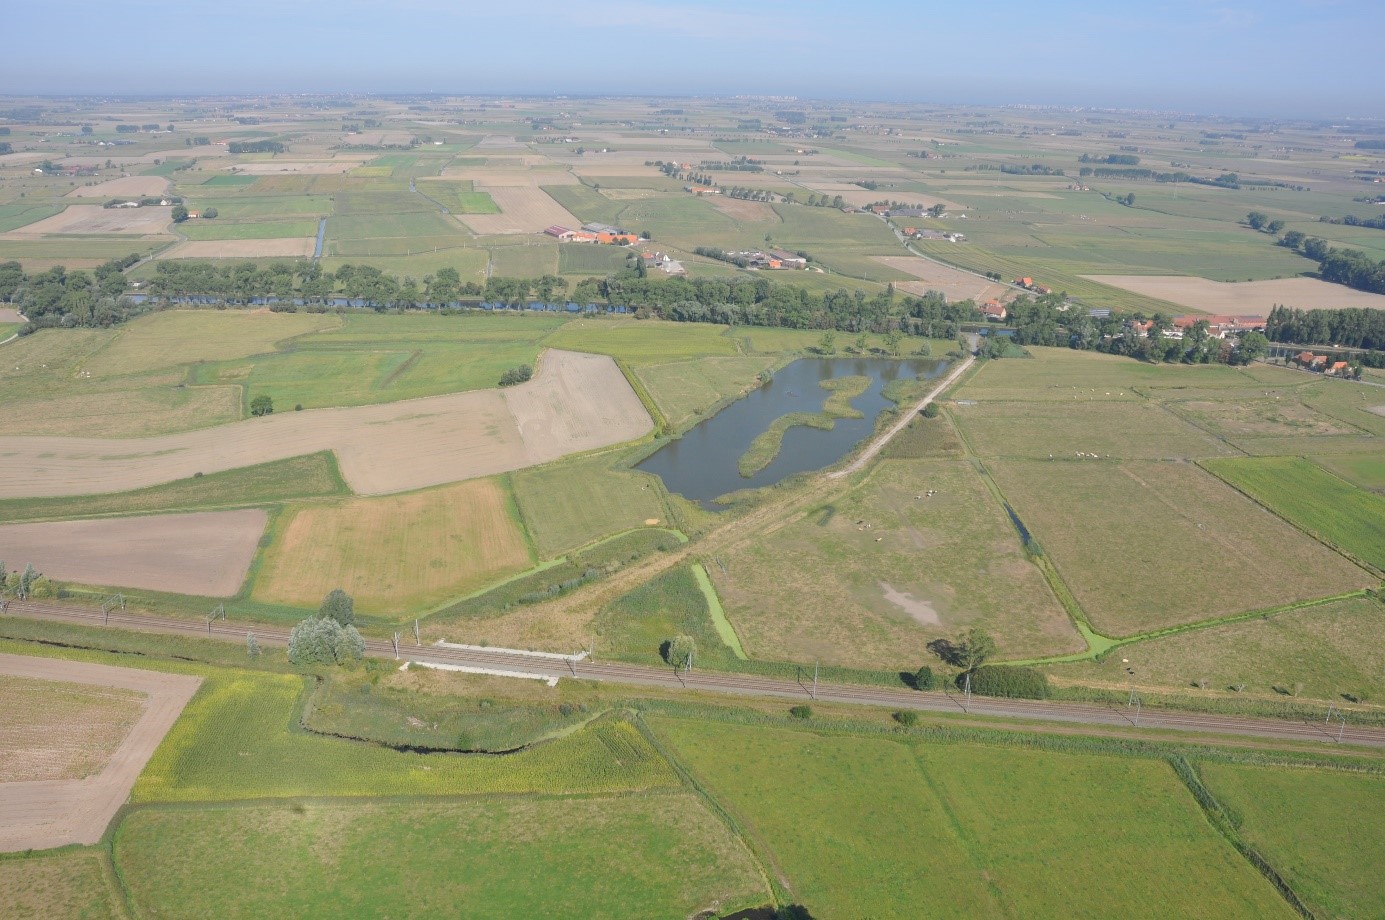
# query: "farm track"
x,y
747,685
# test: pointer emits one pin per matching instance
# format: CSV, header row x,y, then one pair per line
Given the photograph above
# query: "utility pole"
x,y
1343,730
396,646
417,640
815,681
968,692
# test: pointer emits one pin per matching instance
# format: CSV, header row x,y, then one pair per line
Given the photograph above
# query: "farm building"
x,y
994,311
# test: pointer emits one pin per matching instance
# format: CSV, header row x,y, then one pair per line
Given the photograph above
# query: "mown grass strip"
x,y
719,620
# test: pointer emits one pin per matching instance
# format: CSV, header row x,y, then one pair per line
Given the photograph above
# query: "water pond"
x,y
703,464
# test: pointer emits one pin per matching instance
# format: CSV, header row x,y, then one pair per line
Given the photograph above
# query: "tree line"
x,y
1352,327
1351,220
255,147
57,297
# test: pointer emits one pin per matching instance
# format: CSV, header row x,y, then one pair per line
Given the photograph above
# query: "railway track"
x,y
742,684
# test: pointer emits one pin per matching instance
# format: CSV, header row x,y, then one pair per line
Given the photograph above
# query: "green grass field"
x,y
634,627
870,578
234,742
525,260
223,229
584,259
571,504
1128,427
58,886
1365,470
176,337
640,343
1324,831
374,359
685,390
311,476
1323,653
1333,510
1200,549
459,197
492,858
873,827
586,203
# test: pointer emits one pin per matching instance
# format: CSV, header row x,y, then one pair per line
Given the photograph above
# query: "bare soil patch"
x,y
47,813
206,553
576,402
523,209
955,283
10,315
921,611
290,247
1245,297
125,186
740,209
55,730
94,219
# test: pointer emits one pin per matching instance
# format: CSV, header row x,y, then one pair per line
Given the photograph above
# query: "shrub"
x,y
906,717
261,405
930,410
801,712
924,679
1008,680
516,375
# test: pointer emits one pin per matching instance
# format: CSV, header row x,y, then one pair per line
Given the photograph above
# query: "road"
x,y
739,684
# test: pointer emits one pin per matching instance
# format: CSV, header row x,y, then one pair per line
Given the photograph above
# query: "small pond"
x,y
703,464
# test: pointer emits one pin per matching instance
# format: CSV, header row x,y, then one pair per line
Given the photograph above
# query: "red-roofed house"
x,y
1339,369
994,311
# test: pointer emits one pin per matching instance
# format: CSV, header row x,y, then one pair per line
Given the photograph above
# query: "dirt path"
x,y
904,418
52,813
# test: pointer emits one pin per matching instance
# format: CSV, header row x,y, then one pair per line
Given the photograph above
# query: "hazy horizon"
x,y
1281,58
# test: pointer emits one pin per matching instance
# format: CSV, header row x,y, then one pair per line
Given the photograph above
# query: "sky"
x,y
1277,58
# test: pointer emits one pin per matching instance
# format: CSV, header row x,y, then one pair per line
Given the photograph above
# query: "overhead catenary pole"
x,y
417,640
815,680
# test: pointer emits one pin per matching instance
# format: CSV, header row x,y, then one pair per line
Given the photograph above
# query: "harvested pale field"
x,y
40,814
1246,297
57,730
336,166
955,283
523,209
288,248
499,142
396,553
124,187
575,402
740,209
381,139
206,553
94,219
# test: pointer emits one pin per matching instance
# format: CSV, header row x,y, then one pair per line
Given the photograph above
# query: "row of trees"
x,y
1353,327
1351,220
57,297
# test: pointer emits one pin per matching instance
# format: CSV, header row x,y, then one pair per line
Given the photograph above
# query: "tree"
x,y
1252,345
936,211
180,213
1274,227
931,410
679,651
893,339
209,213
262,405
828,343
26,582
1257,220
252,645
339,606
924,679
974,647
322,640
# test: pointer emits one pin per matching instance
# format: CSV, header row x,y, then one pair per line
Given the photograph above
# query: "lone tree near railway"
x,y
327,637
974,647
679,651
339,606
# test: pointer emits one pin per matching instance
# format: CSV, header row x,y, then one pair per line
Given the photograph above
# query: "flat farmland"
x,y
575,402
65,886
59,730
1332,509
124,187
1324,830
870,579
1010,832
52,811
526,261
1131,428
1065,375
203,553
586,203
583,259
1315,653
641,343
1200,549
459,196
955,283
1365,470
683,390
1267,414
221,229
168,339
1246,297
573,504
502,857
93,219
290,248
523,209
397,553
